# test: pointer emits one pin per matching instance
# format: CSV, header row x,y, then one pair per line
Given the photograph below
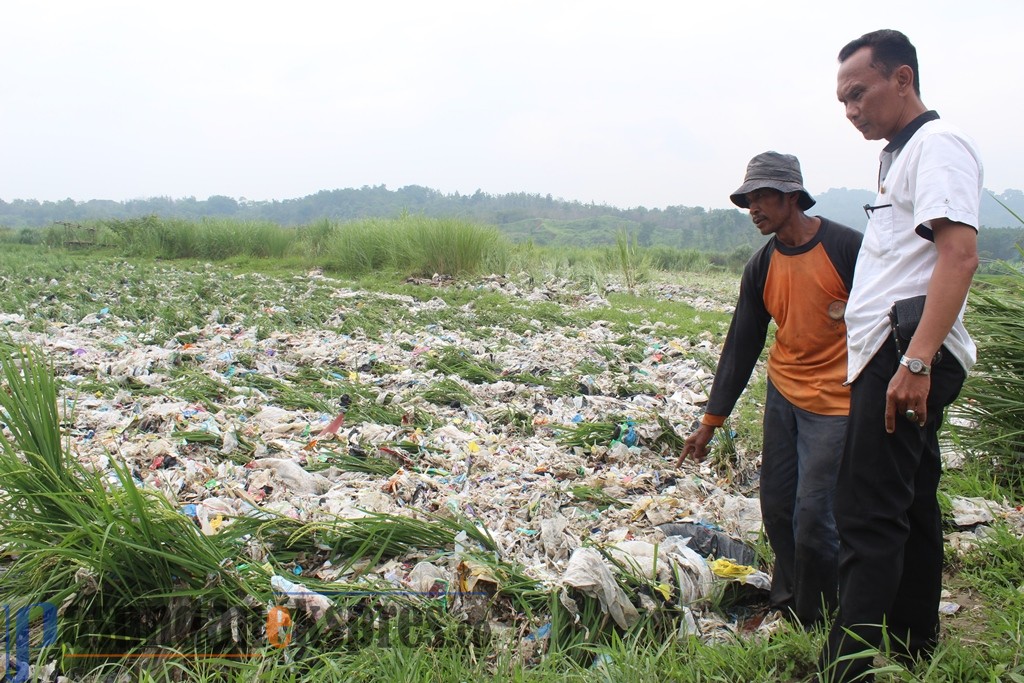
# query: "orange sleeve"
x,y
712,420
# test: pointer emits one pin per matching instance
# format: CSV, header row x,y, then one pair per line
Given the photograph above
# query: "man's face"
x,y
872,101
769,210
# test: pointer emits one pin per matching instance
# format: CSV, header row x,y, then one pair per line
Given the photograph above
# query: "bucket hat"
x,y
777,171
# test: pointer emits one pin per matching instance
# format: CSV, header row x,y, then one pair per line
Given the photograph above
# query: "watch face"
x,y
915,366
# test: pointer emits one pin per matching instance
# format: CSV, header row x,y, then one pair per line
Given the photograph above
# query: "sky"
x,y
620,103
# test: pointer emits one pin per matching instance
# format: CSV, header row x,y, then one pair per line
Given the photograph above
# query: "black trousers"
x,y
887,513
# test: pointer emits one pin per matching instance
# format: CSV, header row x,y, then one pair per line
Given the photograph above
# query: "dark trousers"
x,y
799,465
887,513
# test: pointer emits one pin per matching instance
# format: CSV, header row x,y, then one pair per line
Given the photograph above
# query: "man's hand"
x,y
696,445
906,391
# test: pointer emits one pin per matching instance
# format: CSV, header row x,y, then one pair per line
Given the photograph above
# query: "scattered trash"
x,y
189,511
711,542
238,418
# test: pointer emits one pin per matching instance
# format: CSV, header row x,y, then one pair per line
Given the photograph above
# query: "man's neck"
x,y
906,132
799,231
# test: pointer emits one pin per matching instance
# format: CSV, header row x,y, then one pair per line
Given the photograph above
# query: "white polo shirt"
x,y
937,173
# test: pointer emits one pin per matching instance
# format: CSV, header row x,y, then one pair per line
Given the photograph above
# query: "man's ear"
x,y
905,78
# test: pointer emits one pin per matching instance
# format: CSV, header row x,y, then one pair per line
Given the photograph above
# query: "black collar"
x,y
908,131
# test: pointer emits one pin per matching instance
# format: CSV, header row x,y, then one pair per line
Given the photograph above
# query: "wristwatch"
x,y
915,365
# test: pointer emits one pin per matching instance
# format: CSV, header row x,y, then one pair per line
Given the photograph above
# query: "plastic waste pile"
x,y
221,442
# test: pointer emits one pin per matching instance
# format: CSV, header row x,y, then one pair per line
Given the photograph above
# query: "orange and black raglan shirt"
x,y
804,289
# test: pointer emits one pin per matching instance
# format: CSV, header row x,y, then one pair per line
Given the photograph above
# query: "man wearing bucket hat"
x,y
801,278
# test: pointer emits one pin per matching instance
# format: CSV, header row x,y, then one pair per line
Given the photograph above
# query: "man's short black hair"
x,y
890,50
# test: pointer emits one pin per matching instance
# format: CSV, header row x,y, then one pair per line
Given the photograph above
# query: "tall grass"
x,y
411,245
992,401
678,260
407,246
631,263
176,238
449,246
10,236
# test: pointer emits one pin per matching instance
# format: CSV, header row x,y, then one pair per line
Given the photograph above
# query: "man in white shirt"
x,y
921,239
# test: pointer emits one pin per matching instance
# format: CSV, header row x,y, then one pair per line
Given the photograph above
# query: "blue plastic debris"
x,y
626,433
541,633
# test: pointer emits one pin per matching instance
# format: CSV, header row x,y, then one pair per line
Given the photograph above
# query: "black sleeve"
x,y
842,244
747,333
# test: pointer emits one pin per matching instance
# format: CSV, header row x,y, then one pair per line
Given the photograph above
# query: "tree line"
x,y
520,215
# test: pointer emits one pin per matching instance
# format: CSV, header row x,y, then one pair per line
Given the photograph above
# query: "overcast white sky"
x,y
623,103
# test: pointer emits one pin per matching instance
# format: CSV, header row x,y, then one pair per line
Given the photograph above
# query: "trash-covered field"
x,y
498,454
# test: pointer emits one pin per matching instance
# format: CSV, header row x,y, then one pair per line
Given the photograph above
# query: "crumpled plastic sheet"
x,y
588,573
670,562
972,511
297,595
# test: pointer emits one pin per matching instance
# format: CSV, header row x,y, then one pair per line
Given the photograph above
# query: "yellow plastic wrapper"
x,y
727,569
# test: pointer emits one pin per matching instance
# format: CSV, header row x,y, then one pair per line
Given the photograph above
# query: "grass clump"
x,y
594,494
455,361
116,558
447,392
354,462
631,262
590,434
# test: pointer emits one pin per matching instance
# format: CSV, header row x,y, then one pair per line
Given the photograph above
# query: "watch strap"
x,y
906,362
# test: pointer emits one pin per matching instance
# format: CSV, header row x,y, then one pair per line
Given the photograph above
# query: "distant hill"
x,y
521,216
843,206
